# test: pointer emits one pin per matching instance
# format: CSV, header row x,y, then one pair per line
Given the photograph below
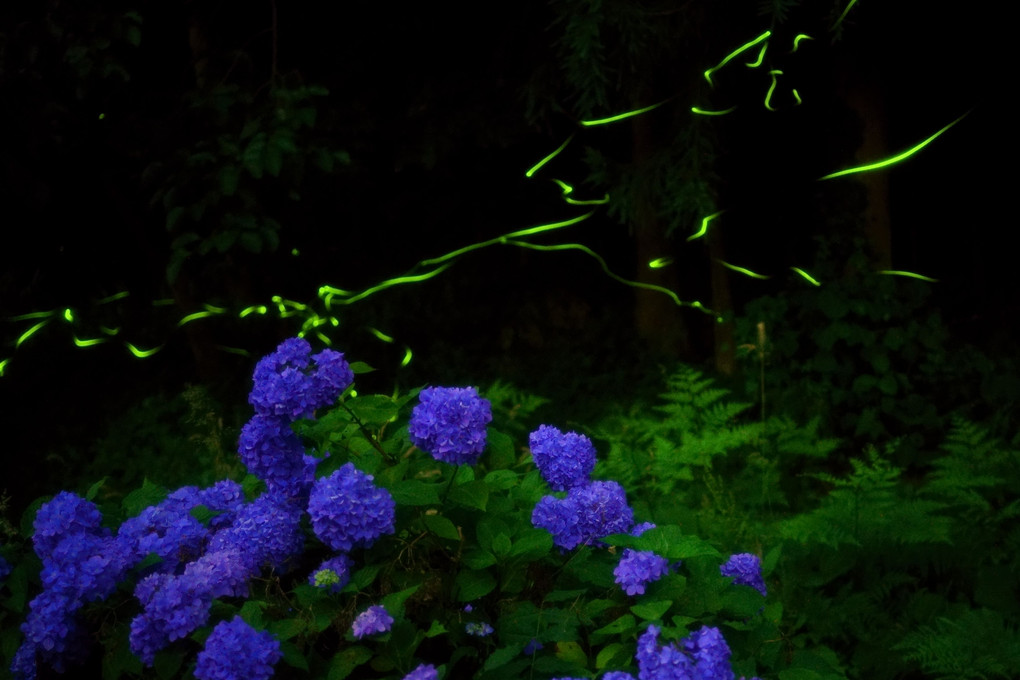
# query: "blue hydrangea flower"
x,y
333,574
478,629
423,672
173,607
587,514
348,510
532,647
168,530
291,383
637,568
273,452
66,513
52,635
641,528
746,570
449,424
617,675
373,620
710,652
565,460
661,662
85,568
266,532
236,651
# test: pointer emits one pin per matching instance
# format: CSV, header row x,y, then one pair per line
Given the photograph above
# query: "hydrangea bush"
x,y
380,537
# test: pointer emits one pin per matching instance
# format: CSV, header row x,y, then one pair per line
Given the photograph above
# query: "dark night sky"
x,y
429,103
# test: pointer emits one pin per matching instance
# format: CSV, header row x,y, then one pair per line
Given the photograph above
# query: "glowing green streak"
x,y
608,272
192,317
68,315
590,201
379,334
535,168
403,362
810,279
760,59
88,343
796,95
30,332
772,88
843,15
3,365
330,290
741,270
895,159
502,239
32,315
704,226
733,54
393,282
109,331
801,36
255,309
325,340
703,112
912,275
621,116
116,296
142,353
660,262
214,309
563,185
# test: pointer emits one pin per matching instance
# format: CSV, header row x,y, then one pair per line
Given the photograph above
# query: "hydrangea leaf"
x,y
440,526
415,492
652,611
473,495
374,409
613,654
473,584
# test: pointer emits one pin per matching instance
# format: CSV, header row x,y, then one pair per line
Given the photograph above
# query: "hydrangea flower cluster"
x,y
423,672
565,460
236,651
292,383
587,514
746,570
703,654
373,620
478,629
638,568
333,574
349,511
449,424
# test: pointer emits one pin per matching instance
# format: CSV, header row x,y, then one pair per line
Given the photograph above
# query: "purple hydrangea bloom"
x,y
168,530
84,568
532,647
710,652
587,514
348,510
449,424
478,629
266,532
291,383
661,662
746,570
617,675
173,606
641,528
423,672
65,514
565,460
373,620
273,452
236,651
52,635
637,568
333,574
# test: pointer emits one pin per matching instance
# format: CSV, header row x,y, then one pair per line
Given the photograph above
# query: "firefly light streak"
x,y
912,275
878,165
807,277
798,39
732,55
704,112
537,166
761,57
621,116
704,226
741,270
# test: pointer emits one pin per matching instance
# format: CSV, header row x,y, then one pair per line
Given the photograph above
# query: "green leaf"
x,y
488,529
475,558
252,155
94,489
138,500
532,544
251,612
502,656
359,367
287,628
500,480
624,624
473,495
473,584
394,602
500,449
415,492
292,656
614,654
442,527
651,611
436,629
375,409
571,652
668,541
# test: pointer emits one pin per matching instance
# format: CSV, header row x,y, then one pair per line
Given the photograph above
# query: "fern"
x,y
976,644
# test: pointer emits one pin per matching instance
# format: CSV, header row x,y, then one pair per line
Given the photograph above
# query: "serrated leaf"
x,y
441,526
359,367
473,495
147,495
473,584
502,656
532,544
94,489
572,653
623,624
651,611
394,602
613,654
287,628
500,480
375,409
415,492
500,450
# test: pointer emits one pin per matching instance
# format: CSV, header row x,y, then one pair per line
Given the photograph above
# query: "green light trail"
x,y
796,96
68,315
897,158
389,283
732,55
912,275
142,353
621,116
407,357
379,334
87,343
537,166
843,15
761,57
113,298
704,226
33,315
254,309
3,365
704,112
660,262
810,279
29,333
191,317
741,270
798,38
772,88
